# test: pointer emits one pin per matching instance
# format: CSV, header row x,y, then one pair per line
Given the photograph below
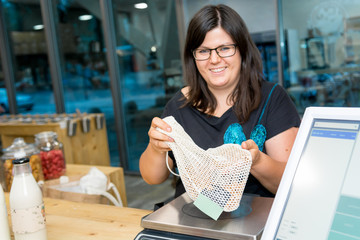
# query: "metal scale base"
x,y
180,219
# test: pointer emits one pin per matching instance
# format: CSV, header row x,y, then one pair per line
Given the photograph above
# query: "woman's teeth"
x,y
216,70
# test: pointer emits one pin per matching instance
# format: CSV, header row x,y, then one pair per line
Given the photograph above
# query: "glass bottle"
x,y
26,204
4,224
51,154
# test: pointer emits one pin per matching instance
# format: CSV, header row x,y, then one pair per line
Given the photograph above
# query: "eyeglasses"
x,y
222,51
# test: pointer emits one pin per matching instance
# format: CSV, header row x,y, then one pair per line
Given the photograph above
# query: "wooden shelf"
x,y
83,148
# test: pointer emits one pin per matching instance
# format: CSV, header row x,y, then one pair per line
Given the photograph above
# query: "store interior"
x,y
309,47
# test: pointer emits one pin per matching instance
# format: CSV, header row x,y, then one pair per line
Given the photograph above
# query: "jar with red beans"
x,y
51,154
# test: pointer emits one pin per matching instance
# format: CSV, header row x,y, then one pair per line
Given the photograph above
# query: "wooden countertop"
x,y
73,220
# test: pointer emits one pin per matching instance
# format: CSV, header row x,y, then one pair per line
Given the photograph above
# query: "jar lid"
x,y
19,149
46,135
21,160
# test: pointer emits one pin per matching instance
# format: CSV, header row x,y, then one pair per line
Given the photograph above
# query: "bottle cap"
x,y
20,160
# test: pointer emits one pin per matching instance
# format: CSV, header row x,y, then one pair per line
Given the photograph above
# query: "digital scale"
x,y
181,219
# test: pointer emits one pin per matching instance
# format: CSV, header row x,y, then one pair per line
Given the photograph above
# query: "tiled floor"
x,y
144,196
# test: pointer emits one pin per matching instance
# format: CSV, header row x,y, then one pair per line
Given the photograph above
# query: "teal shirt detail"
x,y
235,133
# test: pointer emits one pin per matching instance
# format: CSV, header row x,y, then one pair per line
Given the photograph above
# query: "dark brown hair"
x,y
247,94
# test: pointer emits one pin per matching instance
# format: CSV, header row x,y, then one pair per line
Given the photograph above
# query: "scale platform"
x,y
181,219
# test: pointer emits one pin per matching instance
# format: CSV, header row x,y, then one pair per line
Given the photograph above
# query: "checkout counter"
x,y
75,220
178,219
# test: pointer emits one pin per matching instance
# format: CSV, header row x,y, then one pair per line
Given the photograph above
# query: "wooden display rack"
x,y
83,147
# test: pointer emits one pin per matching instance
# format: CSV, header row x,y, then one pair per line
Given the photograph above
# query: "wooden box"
x,y
75,172
115,175
49,190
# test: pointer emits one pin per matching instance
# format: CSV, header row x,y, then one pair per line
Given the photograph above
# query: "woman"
x,y
226,100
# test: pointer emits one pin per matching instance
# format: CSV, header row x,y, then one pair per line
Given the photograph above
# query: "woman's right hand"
x,y
152,163
157,139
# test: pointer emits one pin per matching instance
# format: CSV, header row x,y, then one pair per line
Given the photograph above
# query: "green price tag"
x,y
209,207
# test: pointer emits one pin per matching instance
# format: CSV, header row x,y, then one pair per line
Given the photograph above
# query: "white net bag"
x,y
218,173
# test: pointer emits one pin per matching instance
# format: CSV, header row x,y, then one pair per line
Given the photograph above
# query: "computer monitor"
x,y
319,194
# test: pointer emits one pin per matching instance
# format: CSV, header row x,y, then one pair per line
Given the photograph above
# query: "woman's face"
x,y
219,73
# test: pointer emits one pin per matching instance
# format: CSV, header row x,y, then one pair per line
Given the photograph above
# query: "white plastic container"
x,y
4,224
26,204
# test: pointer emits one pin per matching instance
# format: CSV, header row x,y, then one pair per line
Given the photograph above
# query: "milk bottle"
x,y
4,224
26,204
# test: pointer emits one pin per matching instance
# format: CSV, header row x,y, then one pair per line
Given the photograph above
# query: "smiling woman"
x,y
225,88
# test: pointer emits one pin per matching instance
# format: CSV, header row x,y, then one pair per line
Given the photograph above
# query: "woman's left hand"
x,y
253,148
268,168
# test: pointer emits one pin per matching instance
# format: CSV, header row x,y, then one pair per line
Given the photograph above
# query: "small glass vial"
x,y
26,204
51,154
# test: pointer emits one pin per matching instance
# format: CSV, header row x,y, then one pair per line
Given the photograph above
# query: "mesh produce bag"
x,y
218,175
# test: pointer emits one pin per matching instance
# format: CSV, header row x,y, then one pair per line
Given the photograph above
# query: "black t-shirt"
x,y
208,131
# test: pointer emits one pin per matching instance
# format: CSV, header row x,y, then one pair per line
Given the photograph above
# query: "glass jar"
x,y
51,154
18,149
